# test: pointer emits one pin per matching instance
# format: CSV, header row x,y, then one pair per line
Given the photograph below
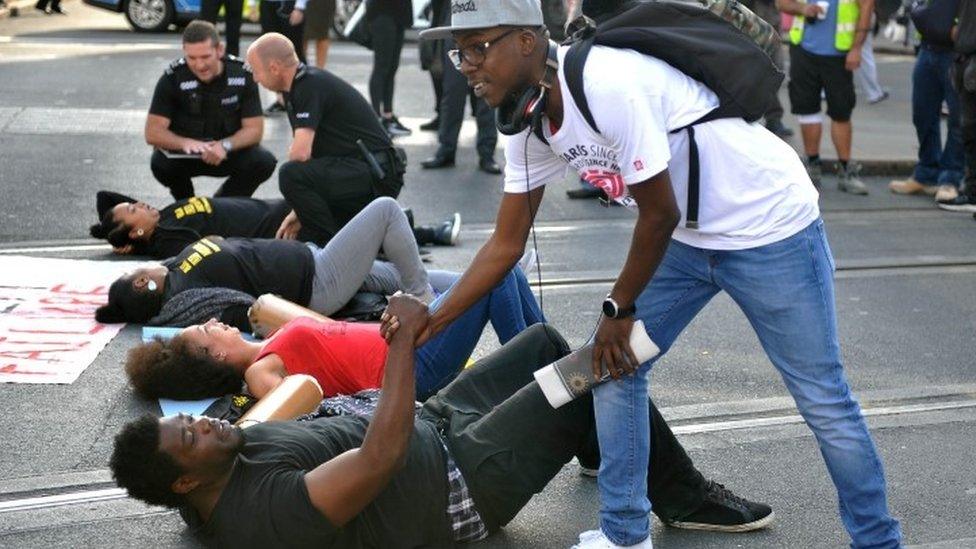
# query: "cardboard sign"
x,y
48,332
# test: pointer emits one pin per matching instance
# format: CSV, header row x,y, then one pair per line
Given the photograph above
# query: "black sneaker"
x,y
449,231
393,127
723,511
274,109
961,203
432,125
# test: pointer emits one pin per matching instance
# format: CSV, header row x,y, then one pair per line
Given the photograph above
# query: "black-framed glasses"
x,y
475,54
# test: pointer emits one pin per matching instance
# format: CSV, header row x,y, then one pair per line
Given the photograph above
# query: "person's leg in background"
x,y
867,74
294,33
388,36
951,161
233,18
786,290
927,97
454,95
841,99
437,82
804,88
487,136
319,16
966,201
248,168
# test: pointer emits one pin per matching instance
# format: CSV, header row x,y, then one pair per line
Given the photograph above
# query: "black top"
x,y
266,502
252,266
206,111
323,102
227,217
966,38
401,10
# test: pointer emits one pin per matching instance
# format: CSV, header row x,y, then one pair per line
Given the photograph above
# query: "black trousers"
x,y
967,123
274,18
233,14
455,94
244,169
387,37
509,442
329,191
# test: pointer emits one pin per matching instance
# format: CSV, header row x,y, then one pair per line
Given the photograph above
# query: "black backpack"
x,y
698,43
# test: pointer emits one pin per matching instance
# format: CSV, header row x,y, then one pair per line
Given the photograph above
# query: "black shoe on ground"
x,y
723,511
488,165
59,10
777,127
274,109
449,231
432,125
393,127
961,203
586,192
440,159
44,10
884,95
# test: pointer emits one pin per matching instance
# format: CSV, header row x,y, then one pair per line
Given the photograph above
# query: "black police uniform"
x,y
210,112
338,181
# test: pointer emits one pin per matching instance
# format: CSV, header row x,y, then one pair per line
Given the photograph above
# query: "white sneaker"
x,y
594,539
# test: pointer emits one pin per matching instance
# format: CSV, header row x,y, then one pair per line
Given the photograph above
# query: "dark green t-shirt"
x,y
266,504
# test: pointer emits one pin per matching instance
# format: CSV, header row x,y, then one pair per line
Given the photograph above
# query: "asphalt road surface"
x,y
73,94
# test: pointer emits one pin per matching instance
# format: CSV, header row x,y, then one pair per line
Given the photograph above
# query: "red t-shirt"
x,y
343,357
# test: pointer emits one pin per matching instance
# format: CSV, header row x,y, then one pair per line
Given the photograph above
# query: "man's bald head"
x,y
273,61
273,47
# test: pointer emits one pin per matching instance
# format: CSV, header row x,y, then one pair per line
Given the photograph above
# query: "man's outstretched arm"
x,y
343,486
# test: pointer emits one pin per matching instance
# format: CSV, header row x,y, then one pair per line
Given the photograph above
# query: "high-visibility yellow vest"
x,y
848,12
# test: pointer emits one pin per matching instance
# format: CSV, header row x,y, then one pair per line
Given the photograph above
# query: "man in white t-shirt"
x,y
760,239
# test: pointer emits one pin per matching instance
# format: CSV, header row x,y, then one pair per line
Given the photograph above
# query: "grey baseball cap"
x,y
485,14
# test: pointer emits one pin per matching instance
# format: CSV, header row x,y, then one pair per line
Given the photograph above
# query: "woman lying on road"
x,y
134,227
322,279
208,360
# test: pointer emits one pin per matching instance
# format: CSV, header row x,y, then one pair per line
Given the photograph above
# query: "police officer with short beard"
x,y
205,119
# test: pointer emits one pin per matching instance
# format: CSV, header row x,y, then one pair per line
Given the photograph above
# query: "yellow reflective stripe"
x,y
796,31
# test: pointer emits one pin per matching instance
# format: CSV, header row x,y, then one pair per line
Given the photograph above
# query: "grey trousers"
x,y
348,262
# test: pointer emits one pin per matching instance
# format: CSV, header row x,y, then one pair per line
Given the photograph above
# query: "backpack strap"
x,y
573,63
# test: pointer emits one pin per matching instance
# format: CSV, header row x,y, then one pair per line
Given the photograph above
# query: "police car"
x,y
152,15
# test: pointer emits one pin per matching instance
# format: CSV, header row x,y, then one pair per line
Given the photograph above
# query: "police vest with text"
x,y
848,12
210,112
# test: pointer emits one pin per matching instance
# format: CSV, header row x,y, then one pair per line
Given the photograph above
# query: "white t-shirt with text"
x,y
754,188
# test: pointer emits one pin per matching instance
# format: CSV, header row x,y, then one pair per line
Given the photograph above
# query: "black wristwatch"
x,y
612,310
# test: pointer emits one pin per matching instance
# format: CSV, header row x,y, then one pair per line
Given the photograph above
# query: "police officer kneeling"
x,y
340,158
206,119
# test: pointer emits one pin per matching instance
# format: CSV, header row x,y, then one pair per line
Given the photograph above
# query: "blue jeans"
x,y
510,306
786,290
931,85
